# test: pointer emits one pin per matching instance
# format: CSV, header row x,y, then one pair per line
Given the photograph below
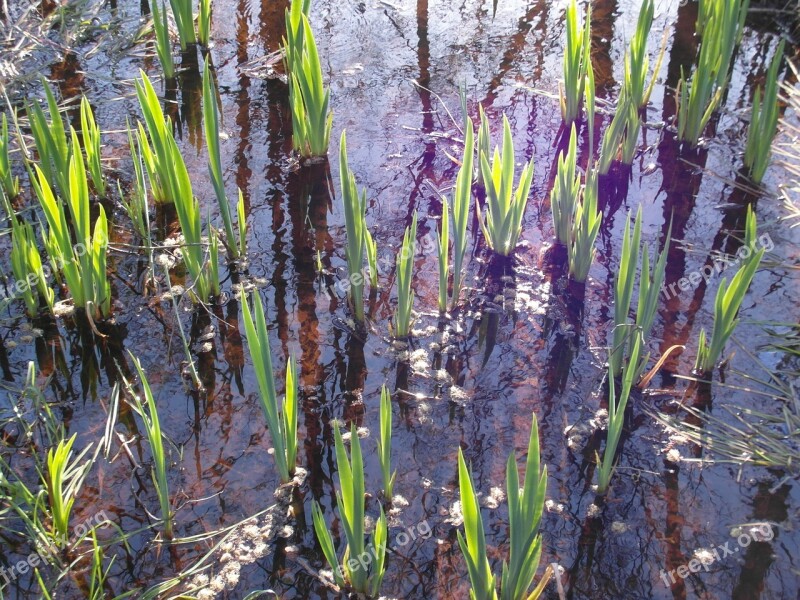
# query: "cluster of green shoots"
x,y
576,62
355,572
50,139
566,190
501,221
721,23
170,182
184,17
312,118
525,506
211,125
9,184
405,274
26,264
585,227
148,412
359,239
163,41
630,372
650,284
462,200
763,122
281,418
385,443
727,303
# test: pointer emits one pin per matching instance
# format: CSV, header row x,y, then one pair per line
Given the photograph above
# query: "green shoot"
x,y
462,199
385,444
26,263
350,501
204,23
726,307
294,41
91,141
184,21
8,183
473,541
631,371
623,289
443,245
525,506
576,62
163,42
763,122
211,123
64,480
566,191
636,60
312,118
372,258
484,136
281,420
355,207
405,274
242,224
149,414
585,228
50,139
502,222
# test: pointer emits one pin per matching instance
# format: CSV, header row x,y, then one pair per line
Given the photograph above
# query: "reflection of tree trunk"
x,y
673,526
243,171
603,19
191,86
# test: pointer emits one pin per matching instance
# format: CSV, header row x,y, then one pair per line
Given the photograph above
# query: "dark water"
x,y
524,342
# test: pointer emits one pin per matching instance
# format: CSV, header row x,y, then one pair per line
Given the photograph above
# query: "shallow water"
x,y
524,342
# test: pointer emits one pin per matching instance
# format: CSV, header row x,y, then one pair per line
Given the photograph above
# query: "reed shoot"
x,y
312,118
211,124
462,200
184,22
152,425
26,264
576,62
484,136
350,501
623,290
50,139
163,42
636,60
585,227
281,419
763,122
204,23
443,246
728,300
242,225
631,371
385,444
294,41
355,207
64,478
405,274
91,142
502,221
8,182
566,191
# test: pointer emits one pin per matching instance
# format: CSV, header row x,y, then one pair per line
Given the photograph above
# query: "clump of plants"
x,y
576,62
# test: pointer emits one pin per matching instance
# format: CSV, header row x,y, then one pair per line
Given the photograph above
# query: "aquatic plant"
x,y
585,227
64,478
636,60
295,31
312,118
281,419
98,576
631,370
8,182
91,143
26,264
84,265
763,122
623,290
576,62
152,426
50,139
621,136
443,247
204,23
136,206
700,96
726,305
525,507
502,220
241,223
358,236
184,22
462,199
364,579
211,125
484,136
405,274
163,42
385,443
566,191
